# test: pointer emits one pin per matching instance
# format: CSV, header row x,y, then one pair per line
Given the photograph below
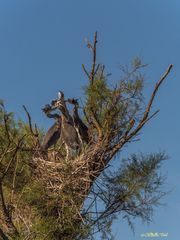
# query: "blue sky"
x,y
42,48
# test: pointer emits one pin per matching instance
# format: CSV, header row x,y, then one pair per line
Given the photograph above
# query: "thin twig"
x,y
92,74
29,120
145,118
86,72
35,134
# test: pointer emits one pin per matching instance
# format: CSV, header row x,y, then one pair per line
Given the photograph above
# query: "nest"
x,y
62,175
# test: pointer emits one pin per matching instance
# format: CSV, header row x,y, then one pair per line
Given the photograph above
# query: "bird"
x,y
54,132
51,137
68,131
80,126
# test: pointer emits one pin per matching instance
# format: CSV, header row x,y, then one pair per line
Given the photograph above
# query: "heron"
x,y
54,132
68,131
80,126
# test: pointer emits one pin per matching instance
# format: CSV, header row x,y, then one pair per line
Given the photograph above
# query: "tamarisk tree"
x,y
44,195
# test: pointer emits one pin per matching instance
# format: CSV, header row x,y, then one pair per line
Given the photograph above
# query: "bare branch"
x,y
147,111
97,68
30,122
86,72
29,119
92,74
34,133
145,118
155,91
94,68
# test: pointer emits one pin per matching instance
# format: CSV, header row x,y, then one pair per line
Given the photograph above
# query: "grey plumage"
x,y
68,131
52,136
69,134
71,129
54,132
82,129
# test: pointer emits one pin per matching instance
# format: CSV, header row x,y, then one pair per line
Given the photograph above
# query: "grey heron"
x,y
54,132
68,131
81,128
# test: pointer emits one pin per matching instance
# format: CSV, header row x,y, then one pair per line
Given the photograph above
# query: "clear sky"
x,y
42,48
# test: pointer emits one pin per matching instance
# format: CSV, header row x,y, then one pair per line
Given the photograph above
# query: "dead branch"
x,y
29,121
155,91
147,111
145,118
34,133
85,70
94,68
92,74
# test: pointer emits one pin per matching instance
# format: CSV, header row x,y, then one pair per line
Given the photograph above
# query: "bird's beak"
x,y
56,103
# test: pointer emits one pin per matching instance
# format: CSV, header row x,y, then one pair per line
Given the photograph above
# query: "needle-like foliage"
x,y
44,195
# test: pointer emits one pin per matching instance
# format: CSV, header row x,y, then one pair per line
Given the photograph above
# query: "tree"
x,y
46,196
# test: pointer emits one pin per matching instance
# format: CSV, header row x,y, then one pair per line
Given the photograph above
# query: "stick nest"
x,y
61,175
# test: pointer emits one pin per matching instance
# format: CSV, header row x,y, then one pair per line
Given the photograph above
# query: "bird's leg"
x,y
67,152
79,136
54,155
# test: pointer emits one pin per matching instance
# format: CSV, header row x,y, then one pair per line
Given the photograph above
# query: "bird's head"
x,y
47,108
59,102
73,101
60,95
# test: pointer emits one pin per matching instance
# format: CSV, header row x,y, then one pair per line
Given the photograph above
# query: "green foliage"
x,y
114,107
132,191
35,212
131,188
